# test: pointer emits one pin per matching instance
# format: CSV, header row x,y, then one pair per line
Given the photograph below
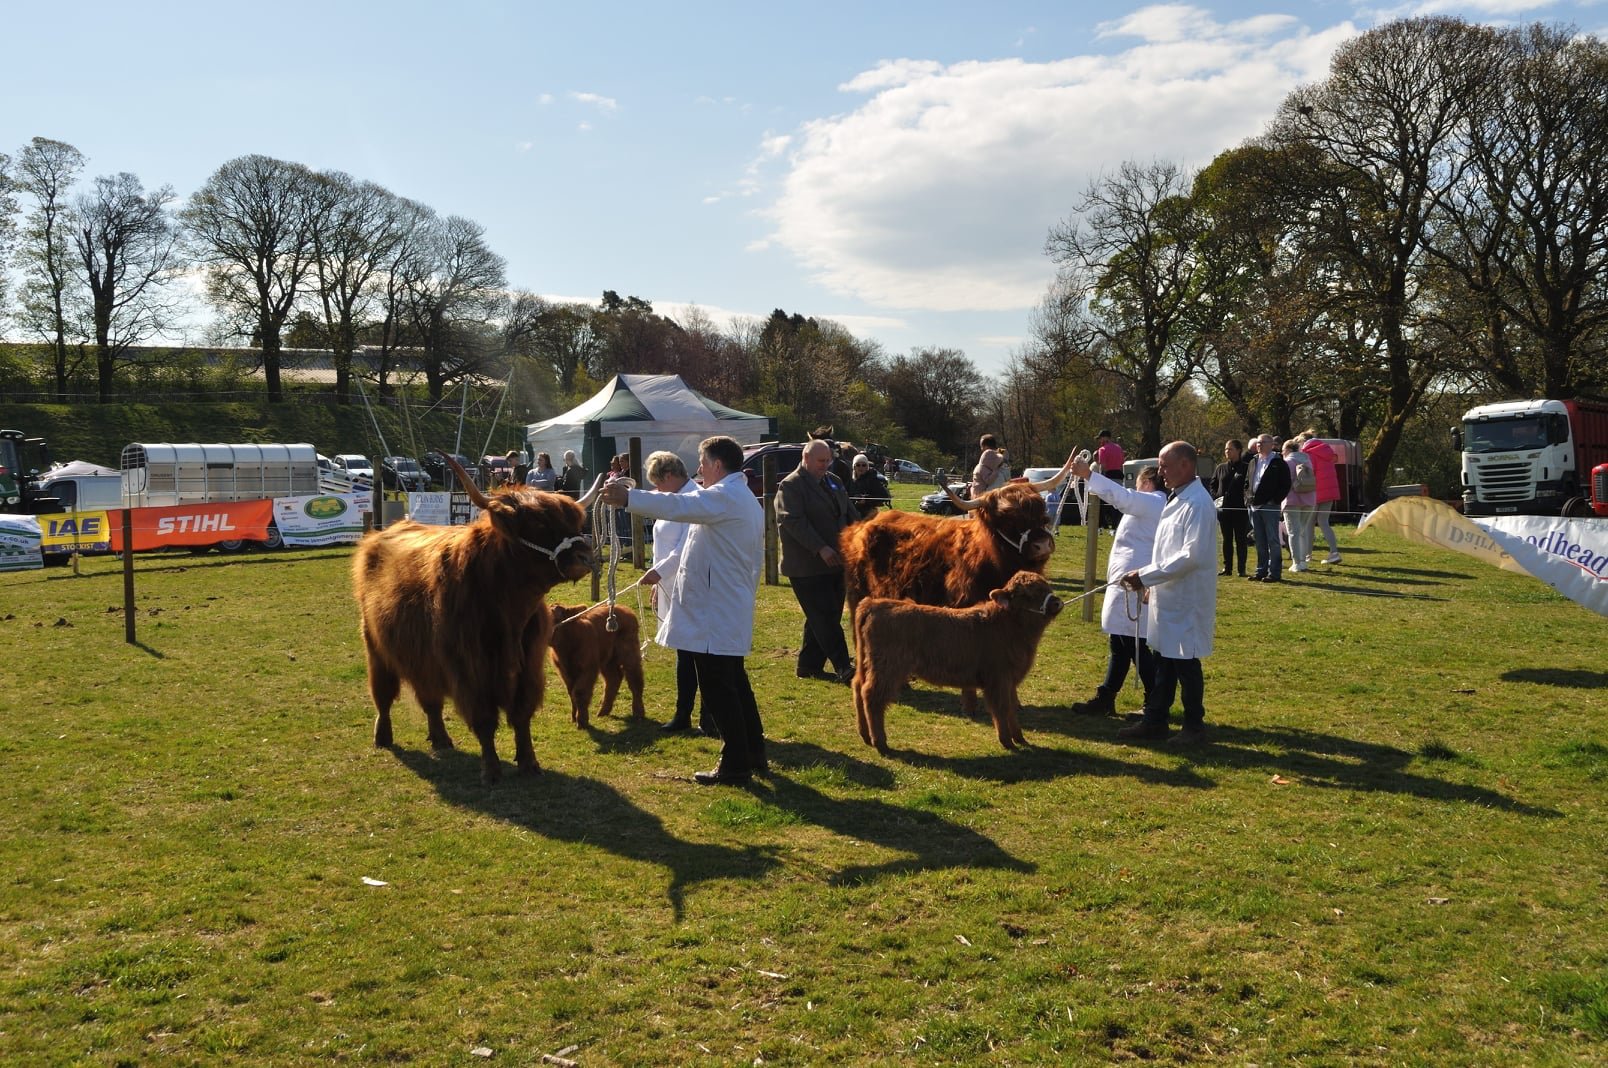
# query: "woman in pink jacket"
x,y
1323,461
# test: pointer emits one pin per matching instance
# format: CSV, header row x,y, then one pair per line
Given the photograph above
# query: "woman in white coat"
x,y
667,474
1122,617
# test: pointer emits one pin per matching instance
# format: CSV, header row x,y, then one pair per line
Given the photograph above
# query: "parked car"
x,y
403,473
326,466
354,467
910,471
938,503
787,459
496,470
435,466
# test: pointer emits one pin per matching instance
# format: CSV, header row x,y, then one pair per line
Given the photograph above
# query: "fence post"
x,y
1091,553
128,575
773,543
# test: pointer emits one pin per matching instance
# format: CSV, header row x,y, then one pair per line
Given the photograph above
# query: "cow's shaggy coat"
x,y
988,646
583,647
459,612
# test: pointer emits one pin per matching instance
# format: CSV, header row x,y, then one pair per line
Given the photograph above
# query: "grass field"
x,y
1394,853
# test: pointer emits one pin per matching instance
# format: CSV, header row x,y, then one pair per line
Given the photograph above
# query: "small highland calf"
x,y
583,647
989,646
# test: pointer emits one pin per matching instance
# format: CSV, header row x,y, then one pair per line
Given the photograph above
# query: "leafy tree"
x,y
360,227
453,293
1385,129
936,393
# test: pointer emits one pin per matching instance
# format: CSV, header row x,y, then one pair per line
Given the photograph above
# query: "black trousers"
x,y
1234,526
729,699
687,691
1170,676
1125,651
821,597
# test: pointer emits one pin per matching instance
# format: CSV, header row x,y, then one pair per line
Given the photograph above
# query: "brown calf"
x,y
989,646
583,647
459,612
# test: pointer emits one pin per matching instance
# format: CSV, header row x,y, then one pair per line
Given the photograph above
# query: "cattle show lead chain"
x,y
603,513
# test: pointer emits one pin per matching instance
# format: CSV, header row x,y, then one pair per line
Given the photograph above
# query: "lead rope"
x,y
1080,489
1133,604
603,514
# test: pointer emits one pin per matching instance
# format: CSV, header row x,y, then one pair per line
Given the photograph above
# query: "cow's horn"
x,y
1054,480
477,498
960,502
591,494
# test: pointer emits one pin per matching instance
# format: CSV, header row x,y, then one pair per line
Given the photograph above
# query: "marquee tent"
x,y
659,409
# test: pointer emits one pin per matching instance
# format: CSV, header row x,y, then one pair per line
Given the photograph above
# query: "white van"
x,y
84,493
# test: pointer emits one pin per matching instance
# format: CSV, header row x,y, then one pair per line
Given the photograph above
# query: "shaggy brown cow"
x,y
950,562
989,646
583,646
458,612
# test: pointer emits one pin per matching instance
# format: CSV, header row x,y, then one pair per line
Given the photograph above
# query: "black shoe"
x,y
1143,732
819,673
709,730
1257,578
1098,705
677,725
721,777
1225,571
1272,578
845,676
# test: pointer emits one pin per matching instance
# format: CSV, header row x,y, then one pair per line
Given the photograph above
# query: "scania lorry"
x,y
1534,457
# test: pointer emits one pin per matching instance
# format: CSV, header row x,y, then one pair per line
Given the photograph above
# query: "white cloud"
x,y
937,190
602,103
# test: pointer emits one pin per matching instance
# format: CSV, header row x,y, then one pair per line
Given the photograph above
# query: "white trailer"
x,y
161,474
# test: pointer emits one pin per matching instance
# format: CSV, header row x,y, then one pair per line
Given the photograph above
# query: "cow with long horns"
x,y
460,612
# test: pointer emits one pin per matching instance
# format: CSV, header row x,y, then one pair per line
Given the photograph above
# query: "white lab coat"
x,y
668,538
1182,576
1131,549
713,594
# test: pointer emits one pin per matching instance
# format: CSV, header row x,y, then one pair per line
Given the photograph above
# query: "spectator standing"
x,y
542,476
1269,483
713,595
1183,600
867,491
1298,504
812,508
1323,466
991,471
1109,458
1233,522
667,474
1122,616
572,480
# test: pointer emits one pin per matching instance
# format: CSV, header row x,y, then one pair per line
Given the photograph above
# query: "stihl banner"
x,y
194,524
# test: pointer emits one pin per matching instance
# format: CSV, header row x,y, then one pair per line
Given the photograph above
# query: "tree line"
x,y
1431,219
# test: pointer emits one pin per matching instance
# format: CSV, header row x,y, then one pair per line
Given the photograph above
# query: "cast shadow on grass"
x,y
1335,762
588,812
1574,678
929,841
1306,583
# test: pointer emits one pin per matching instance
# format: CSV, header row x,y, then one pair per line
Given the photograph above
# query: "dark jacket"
x,y
1275,484
868,493
1228,482
810,515
572,480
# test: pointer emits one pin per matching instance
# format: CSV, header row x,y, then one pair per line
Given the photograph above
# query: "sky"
x,y
894,167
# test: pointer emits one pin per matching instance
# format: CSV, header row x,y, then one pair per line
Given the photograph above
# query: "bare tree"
x,y
253,223
454,292
1129,262
360,228
8,223
126,249
406,265
46,170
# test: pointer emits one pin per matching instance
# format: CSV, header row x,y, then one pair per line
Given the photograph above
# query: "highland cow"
x,y
583,647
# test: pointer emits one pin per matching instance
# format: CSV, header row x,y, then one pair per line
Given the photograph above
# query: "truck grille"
x,y
1506,482
1599,484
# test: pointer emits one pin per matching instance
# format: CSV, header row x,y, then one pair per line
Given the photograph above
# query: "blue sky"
x,y
891,166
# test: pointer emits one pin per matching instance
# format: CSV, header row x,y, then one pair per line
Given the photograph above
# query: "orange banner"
x,y
194,524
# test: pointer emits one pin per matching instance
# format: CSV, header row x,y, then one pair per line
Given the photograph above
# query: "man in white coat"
x,y
712,596
1182,583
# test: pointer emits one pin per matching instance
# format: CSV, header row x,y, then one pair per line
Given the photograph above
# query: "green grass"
x,y
188,821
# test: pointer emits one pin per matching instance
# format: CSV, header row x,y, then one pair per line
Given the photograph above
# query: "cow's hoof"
x,y
532,768
382,738
490,774
439,744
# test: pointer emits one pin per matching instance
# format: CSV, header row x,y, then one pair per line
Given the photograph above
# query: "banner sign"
x,y
327,519
85,532
195,524
19,543
1570,555
432,508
